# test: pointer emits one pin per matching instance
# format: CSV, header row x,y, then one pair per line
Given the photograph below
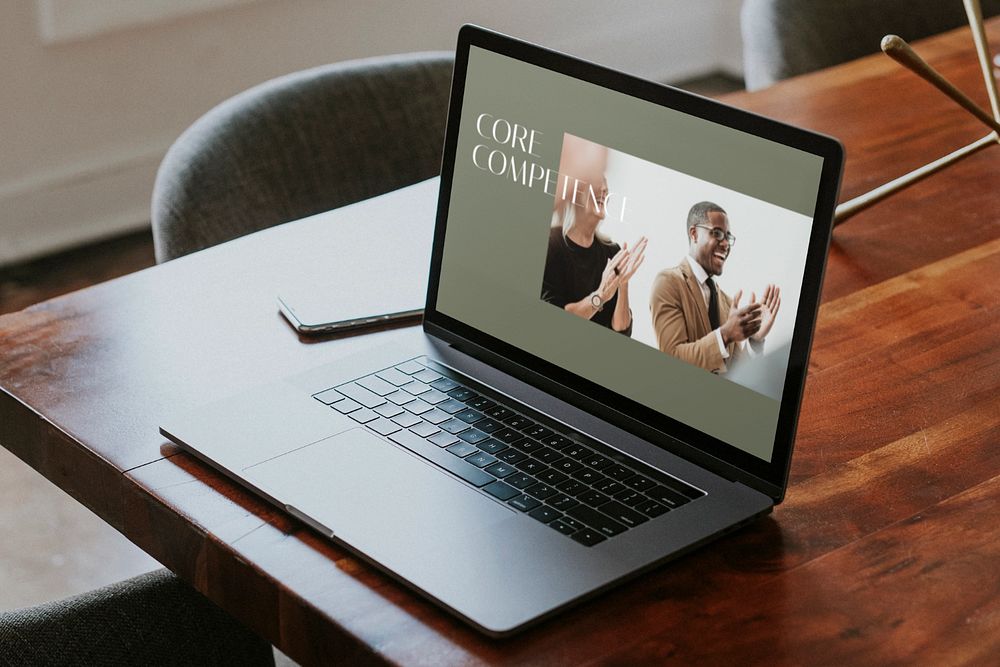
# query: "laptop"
x,y
571,414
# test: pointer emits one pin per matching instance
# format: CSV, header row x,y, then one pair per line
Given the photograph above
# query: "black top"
x,y
573,272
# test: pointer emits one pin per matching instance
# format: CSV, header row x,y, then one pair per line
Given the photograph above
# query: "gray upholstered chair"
x,y
301,144
784,38
152,619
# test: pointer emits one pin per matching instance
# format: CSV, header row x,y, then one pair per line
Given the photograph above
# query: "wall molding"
x,y
71,20
100,196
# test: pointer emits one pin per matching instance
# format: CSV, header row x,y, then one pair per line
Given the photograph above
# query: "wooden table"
x,y
887,547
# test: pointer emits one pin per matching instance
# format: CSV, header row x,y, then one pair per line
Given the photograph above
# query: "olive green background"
x,y
494,253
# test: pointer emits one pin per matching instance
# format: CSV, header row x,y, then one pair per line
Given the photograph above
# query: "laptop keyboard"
x,y
582,491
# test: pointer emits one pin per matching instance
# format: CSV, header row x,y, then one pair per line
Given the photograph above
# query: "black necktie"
x,y
713,304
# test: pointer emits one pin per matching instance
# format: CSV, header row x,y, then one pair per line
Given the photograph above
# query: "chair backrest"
x,y
301,144
153,619
784,38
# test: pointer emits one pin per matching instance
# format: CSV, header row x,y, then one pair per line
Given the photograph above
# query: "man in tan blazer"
x,y
696,321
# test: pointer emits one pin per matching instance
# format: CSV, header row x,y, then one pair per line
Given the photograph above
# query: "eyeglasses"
x,y
718,234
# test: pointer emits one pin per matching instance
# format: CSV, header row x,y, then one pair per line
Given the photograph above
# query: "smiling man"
x,y
696,321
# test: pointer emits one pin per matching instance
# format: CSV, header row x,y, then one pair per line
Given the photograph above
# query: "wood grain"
x,y
885,549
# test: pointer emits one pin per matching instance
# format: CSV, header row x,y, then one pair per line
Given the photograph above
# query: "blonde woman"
x,y
586,273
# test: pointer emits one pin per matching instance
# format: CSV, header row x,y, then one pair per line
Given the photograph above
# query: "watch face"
x,y
595,301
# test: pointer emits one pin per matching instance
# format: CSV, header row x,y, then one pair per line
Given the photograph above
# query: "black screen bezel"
x,y
769,477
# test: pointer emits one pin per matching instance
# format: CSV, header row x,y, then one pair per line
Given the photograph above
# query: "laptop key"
x,y
328,397
433,396
451,406
419,407
520,480
562,527
568,466
426,375
416,387
394,377
424,429
442,458
588,476
501,470
444,384
630,497
593,498
480,460
562,502
597,462
572,487
406,420
461,449
492,446
665,496
532,466
453,426
623,514
346,406
443,439
518,422
508,435
481,403
618,472
544,514
551,476
499,413
588,537
410,367
538,431
389,410
383,426
435,416
600,522
540,491
462,394
609,486
400,397
523,502
364,415
512,456
500,490
377,385
652,509
640,483
546,455
578,452
527,445
473,436
556,441
488,425
361,395
469,416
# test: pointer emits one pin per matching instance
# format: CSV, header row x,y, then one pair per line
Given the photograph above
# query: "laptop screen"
x,y
646,251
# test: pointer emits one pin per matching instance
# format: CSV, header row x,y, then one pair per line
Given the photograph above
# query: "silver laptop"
x,y
621,299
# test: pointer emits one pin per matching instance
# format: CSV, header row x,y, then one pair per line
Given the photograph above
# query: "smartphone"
x,y
365,265
311,315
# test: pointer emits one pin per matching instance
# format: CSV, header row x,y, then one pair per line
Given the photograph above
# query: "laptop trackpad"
x,y
373,495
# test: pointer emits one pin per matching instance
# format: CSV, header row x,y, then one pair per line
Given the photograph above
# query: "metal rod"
x,y
861,202
975,14
896,48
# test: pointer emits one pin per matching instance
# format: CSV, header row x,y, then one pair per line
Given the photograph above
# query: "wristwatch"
x,y
597,302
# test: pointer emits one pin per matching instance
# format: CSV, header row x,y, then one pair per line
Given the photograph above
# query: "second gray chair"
x,y
784,38
301,144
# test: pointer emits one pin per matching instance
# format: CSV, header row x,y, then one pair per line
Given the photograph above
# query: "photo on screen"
x,y
702,273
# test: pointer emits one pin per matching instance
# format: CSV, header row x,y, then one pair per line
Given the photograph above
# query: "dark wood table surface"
x,y
887,547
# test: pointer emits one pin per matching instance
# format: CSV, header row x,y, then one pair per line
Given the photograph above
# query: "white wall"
x,y
92,92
